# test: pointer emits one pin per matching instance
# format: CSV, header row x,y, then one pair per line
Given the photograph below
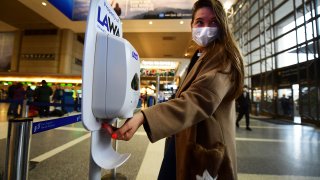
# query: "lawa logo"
x,y
106,21
135,55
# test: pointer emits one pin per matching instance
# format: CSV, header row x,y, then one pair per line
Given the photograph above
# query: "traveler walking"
x,y
244,108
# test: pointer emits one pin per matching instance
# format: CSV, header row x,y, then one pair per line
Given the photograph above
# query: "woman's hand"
x,y
127,130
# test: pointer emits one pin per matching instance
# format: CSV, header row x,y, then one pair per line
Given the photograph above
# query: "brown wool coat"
x,y
200,105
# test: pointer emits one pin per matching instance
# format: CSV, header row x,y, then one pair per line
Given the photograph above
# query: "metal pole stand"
x,y
18,146
113,175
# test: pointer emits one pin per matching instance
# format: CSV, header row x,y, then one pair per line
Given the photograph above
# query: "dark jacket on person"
x,y
244,102
43,93
11,91
19,93
58,94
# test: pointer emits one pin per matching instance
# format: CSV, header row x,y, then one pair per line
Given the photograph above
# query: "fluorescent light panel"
x,y
159,64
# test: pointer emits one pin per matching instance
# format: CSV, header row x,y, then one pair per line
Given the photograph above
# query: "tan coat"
x,y
200,104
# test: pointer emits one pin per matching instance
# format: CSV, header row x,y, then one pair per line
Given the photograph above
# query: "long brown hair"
x,y
224,47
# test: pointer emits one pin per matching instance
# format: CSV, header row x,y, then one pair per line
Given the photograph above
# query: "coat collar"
x,y
186,82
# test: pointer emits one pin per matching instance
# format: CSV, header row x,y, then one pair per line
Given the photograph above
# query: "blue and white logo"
x,y
107,20
135,55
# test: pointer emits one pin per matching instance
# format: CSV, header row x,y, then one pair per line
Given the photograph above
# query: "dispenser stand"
x,y
113,175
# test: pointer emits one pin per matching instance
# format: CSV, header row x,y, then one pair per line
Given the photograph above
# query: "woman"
x,y
203,110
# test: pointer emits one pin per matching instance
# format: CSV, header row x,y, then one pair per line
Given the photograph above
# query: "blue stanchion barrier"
x,y
38,127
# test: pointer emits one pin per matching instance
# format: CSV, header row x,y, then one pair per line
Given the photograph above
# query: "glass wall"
x,y
279,40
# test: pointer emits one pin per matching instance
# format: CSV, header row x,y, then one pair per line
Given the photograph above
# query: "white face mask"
x,y
204,35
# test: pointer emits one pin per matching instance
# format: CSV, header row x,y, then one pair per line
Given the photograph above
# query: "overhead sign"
x,y
77,10
66,7
153,9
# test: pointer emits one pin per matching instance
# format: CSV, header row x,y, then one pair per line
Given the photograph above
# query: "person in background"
x,y
33,110
117,9
57,96
29,94
284,104
18,97
244,108
145,99
161,97
202,113
141,100
10,98
42,95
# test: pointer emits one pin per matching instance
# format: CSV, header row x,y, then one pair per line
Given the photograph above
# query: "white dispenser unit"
x,y
110,83
116,78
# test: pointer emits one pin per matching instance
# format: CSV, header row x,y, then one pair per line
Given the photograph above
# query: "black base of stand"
x,y
116,176
32,165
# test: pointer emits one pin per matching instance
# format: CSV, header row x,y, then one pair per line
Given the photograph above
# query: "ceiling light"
x,y
181,22
186,54
44,3
227,5
150,22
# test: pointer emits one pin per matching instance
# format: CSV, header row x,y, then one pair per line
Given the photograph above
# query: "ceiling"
x,y
163,39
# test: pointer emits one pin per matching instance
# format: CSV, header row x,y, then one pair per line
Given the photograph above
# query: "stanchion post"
x,y
18,146
25,109
115,146
94,169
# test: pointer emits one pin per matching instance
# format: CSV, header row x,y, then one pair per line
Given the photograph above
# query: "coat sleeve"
x,y
198,102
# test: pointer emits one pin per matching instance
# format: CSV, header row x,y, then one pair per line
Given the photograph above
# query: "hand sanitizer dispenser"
x,y
115,92
116,78
110,83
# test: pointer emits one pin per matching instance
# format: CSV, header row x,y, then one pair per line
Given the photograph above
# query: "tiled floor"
x,y
271,151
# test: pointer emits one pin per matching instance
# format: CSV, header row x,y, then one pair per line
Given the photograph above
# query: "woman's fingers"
x,y
127,130
110,129
124,132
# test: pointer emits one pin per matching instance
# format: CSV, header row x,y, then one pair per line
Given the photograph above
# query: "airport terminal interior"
x,y
280,43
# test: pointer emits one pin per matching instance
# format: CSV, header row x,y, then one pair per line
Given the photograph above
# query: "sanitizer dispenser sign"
x,y
110,80
107,19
